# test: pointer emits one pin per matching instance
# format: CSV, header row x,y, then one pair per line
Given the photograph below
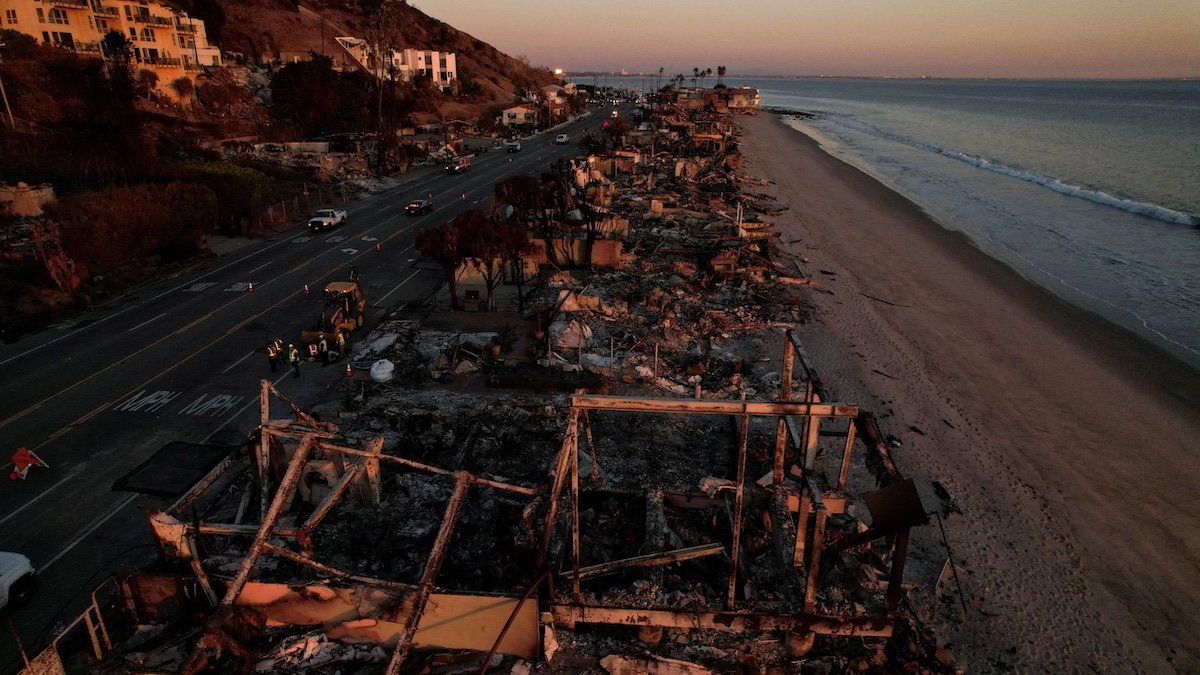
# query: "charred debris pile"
x,y
631,467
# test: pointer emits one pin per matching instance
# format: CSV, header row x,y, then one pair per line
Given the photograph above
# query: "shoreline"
x,y
1117,334
1092,303
1027,409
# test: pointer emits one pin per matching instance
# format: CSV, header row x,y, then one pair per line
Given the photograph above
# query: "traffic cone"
x,y
379,247
349,373
250,288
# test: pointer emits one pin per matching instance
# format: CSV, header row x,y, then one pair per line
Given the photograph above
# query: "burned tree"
x,y
514,245
444,245
482,246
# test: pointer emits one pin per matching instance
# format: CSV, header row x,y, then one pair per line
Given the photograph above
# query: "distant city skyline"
x,y
914,38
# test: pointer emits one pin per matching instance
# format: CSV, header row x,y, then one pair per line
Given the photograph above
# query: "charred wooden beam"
x,y
304,536
559,473
334,572
689,406
651,560
462,482
282,496
201,486
568,616
879,458
739,502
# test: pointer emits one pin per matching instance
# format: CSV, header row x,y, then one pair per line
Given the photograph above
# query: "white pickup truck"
x,y
16,579
326,219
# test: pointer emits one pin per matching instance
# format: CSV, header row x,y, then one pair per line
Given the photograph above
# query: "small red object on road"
x,y
349,373
306,292
379,246
22,460
250,287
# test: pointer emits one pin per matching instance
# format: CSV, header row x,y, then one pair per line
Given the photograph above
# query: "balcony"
x,y
107,12
185,27
69,4
88,47
161,62
151,20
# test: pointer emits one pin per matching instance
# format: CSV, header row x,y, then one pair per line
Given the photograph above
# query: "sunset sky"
x,y
948,38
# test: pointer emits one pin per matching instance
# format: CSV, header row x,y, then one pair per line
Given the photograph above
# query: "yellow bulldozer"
x,y
343,310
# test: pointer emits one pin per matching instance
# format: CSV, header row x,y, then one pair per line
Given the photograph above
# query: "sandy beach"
x,y
1068,444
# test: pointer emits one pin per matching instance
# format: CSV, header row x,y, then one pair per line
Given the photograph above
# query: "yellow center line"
x,y
186,328
192,355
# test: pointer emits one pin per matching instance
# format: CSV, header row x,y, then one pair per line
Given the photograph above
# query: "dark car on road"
x,y
418,206
458,165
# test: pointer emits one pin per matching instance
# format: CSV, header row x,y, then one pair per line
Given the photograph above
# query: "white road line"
x,y
234,364
242,409
147,322
70,474
140,304
84,535
385,297
259,267
128,500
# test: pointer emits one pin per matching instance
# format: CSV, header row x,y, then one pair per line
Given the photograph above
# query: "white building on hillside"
x,y
403,64
518,116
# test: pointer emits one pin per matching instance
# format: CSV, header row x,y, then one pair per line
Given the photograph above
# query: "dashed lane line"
x,y
147,322
191,355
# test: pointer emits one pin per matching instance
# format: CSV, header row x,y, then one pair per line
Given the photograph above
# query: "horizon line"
x,y
1162,78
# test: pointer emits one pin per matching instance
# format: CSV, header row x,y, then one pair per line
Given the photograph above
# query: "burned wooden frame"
x,y
791,493
799,509
354,467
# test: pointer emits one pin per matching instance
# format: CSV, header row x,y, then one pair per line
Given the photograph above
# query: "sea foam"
x,y
1049,182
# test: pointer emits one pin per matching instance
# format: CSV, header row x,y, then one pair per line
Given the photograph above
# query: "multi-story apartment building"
x,y
168,42
441,67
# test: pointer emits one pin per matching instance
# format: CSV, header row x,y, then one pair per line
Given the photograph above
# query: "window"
x,y
147,35
10,15
41,17
59,17
102,25
59,39
128,13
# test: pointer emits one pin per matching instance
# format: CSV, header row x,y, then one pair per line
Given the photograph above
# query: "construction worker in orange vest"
x,y
273,356
339,339
294,360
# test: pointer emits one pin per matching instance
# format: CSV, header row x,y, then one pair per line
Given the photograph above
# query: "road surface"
x,y
180,360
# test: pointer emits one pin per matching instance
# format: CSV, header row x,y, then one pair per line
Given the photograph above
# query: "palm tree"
x,y
720,75
707,74
695,75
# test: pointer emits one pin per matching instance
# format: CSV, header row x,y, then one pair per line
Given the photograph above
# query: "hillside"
x,y
271,28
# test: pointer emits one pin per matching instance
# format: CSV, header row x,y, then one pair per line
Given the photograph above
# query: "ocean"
x,y
1090,189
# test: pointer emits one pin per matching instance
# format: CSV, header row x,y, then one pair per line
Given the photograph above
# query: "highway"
x,y
179,360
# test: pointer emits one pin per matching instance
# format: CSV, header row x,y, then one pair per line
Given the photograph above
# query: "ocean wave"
x,y
1149,210
1098,196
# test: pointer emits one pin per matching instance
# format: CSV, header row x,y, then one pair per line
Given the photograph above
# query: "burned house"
x,y
644,474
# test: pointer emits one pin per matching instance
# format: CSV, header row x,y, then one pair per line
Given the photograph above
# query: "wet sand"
x,y
1071,446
